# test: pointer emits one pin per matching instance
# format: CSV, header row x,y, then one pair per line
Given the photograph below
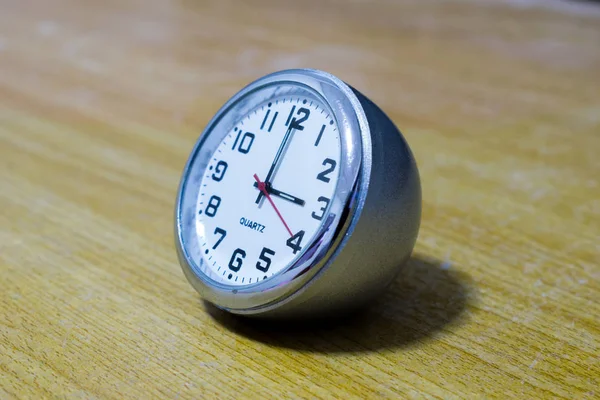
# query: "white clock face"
x,y
267,189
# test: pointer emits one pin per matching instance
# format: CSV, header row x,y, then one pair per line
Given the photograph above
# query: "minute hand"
x,y
286,138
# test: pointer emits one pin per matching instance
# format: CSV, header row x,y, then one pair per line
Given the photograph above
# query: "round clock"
x,y
300,198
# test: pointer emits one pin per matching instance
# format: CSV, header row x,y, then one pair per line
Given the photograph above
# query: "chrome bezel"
x,y
345,206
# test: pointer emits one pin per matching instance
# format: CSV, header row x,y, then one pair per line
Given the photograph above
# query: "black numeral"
x,y
223,233
245,143
270,125
213,206
236,260
294,242
264,257
320,135
220,169
324,200
265,120
305,112
331,167
289,118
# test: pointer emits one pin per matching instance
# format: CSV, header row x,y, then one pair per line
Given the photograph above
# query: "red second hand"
x,y
262,187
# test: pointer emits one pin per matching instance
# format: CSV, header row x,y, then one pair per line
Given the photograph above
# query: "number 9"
x,y
220,169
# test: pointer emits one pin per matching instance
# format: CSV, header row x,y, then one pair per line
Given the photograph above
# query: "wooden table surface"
x,y
101,102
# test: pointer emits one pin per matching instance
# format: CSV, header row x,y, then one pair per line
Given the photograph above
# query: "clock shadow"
x,y
426,299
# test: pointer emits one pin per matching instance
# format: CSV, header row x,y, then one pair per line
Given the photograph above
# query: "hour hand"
x,y
278,193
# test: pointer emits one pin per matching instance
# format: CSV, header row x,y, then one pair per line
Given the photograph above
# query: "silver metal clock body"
x,y
370,226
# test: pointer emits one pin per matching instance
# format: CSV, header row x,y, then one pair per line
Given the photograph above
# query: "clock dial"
x,y
267,188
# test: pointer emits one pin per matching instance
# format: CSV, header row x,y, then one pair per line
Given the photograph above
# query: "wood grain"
x,y
100,103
